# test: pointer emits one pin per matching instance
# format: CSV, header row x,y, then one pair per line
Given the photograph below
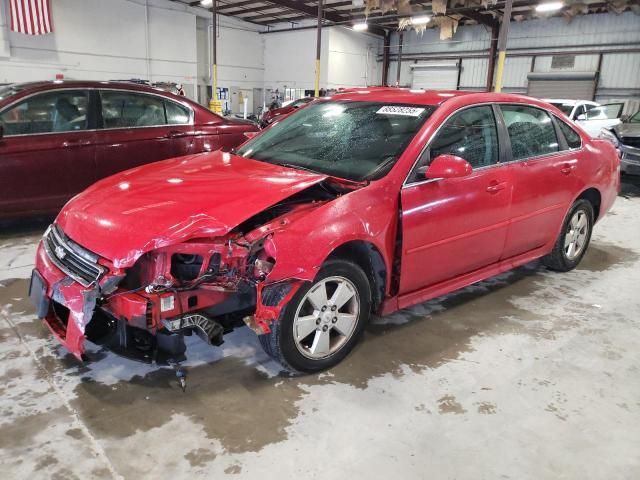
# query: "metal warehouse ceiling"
x,y
269,13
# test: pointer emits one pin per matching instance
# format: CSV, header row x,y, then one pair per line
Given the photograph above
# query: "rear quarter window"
x,y
570,135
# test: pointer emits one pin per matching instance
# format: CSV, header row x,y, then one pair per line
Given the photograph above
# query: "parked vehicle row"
x,y
626,138
57,138
362,203
591,116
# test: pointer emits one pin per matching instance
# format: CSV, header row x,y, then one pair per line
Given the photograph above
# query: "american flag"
x,y
32,17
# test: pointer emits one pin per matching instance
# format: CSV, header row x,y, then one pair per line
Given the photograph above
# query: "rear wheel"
x,y
574,238
323,321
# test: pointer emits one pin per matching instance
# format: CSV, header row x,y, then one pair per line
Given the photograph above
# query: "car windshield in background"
x,y
565,108
9,90
353,140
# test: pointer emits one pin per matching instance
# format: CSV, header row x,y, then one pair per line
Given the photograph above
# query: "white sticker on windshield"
x,y
399,110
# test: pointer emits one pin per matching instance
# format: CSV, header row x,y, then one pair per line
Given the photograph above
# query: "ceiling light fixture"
x,y
206,3
549,6
358,27
420,20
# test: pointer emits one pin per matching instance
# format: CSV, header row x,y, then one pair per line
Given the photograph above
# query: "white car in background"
x,y
591,116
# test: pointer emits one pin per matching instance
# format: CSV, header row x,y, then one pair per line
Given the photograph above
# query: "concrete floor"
x,y
530,375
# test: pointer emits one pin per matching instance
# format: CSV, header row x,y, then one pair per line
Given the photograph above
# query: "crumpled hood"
x,y
627,130
133,212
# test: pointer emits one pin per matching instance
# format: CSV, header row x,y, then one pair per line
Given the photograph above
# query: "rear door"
x,y
543,170
135,130
455,226
47,151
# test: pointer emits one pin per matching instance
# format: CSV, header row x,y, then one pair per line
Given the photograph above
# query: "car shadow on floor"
x,y
630,186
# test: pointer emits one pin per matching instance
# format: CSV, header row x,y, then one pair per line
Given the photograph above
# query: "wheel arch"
x,y
593,196
368,257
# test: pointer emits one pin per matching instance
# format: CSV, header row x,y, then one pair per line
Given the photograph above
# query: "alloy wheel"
x,y
326,317
576,237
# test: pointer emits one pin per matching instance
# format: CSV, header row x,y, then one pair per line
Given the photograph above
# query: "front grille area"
x,y
631,141
74,260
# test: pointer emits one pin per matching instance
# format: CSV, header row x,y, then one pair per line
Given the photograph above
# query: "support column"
x,y
318,49
385,59
495,30
502,43
215,105
400,40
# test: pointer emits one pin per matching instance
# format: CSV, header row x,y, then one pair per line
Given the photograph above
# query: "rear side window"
x,y
470,134
126,109
176,114
570,135
530,130
52,112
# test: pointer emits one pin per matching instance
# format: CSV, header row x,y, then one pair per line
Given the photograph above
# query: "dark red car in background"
x,y
57,138
270,116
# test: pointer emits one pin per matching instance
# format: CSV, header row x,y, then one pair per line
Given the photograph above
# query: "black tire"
x,y
558,259
280,344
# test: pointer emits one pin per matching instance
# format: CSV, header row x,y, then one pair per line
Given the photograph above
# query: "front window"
x,y
635,118
51,112
353,140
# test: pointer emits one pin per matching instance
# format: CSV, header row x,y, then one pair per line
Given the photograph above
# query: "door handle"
x,y
495,186
176,134
567,169
75,143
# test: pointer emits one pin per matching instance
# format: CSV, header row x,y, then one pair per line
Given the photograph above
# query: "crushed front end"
x,y
202,286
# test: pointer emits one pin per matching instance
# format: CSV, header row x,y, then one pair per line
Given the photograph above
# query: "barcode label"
x,y
396,110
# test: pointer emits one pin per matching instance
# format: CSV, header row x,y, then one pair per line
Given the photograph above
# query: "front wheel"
x,y
323,321
574,238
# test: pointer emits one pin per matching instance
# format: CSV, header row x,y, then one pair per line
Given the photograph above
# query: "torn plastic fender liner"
x,y
271,299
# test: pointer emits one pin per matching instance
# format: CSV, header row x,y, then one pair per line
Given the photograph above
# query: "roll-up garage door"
x,y
435,76
571,85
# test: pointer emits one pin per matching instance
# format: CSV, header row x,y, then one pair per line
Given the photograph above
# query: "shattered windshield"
x,y
354,140
565,108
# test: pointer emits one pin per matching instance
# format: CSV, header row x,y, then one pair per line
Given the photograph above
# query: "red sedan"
x,y
57,138
274,114
363,203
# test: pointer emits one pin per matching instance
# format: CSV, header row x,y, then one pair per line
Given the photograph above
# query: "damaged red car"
x,y
359,204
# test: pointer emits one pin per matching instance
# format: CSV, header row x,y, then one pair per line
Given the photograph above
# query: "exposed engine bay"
x,y
203,286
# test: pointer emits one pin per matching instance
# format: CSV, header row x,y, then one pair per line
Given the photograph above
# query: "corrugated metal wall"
x,y
589,36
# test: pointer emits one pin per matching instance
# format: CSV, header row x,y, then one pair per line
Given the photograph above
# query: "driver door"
x,y
454,226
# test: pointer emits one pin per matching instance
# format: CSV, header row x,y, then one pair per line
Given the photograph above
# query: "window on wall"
x,y
570,135
60,111
126,109
531,131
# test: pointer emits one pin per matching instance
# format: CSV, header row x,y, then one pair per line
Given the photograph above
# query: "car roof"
x,y
430,97
568,101
27,88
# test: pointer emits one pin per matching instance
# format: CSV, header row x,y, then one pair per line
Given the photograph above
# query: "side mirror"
x,y
448,166
582,117
250,135
623,118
